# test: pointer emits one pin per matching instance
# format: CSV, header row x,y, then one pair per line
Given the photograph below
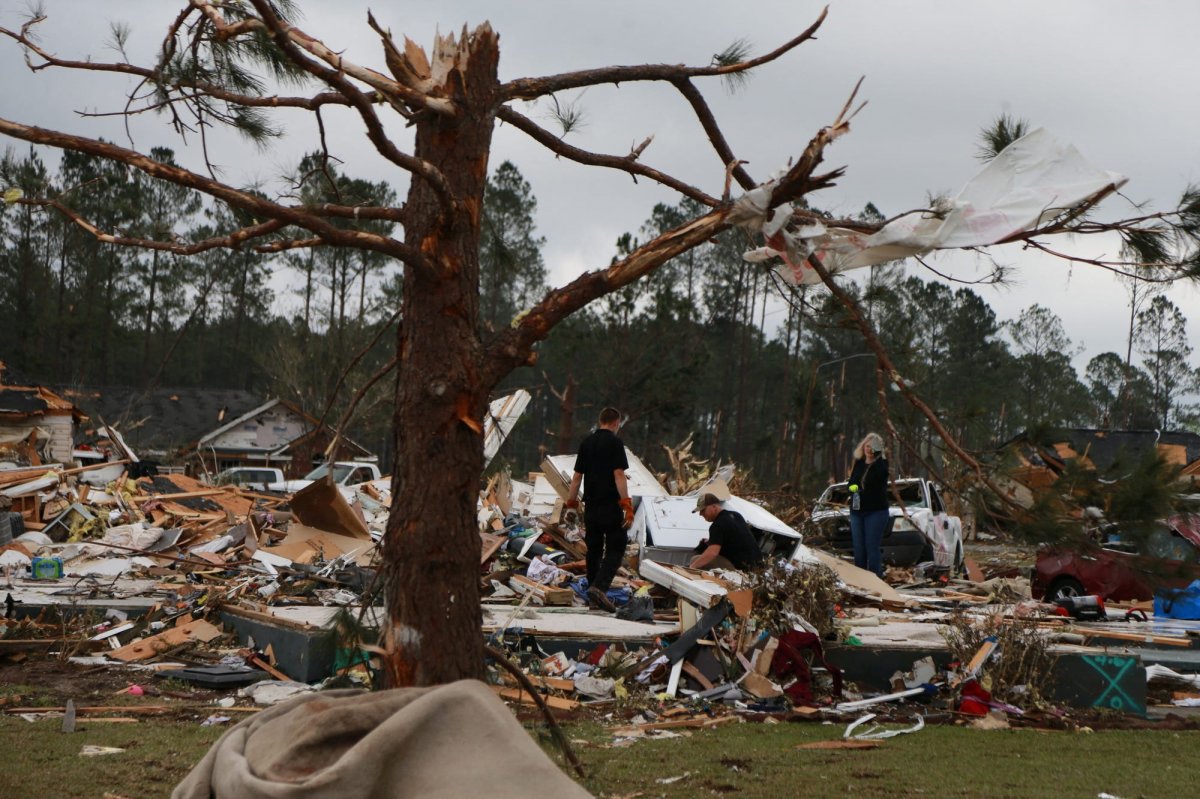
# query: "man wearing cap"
x,y
600,466
729,544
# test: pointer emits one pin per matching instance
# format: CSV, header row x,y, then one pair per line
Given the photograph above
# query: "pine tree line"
x,y
772,378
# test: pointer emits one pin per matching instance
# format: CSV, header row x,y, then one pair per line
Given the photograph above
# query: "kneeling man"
x,y
730,544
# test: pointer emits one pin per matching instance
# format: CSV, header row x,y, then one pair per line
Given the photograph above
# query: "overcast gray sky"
x,y
1105,76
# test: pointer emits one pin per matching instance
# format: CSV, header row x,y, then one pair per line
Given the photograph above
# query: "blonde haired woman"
x,y
869,503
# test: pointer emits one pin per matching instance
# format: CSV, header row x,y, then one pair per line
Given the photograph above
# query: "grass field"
x,y
742,761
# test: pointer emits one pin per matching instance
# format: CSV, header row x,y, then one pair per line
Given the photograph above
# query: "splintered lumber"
x,y
199,630
255,660
542,594
959,596
10,476
91,466
697,675
210,492
693,723
1143,638
523,696
549,683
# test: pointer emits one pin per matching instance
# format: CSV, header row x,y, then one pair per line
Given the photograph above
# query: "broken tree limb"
x,y
885,363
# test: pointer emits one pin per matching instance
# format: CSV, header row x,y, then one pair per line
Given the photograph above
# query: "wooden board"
x,y
146,648
694,723
522,696
548,683
861,579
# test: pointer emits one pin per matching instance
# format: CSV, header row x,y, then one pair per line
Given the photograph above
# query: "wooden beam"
x,y
522,696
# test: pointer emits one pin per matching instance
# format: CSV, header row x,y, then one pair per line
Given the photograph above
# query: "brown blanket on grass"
x,y
456,740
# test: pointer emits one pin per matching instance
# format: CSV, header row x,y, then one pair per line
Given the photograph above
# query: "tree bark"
x,y
431,551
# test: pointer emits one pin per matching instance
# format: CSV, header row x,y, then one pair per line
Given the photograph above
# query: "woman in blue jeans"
x,y
869,503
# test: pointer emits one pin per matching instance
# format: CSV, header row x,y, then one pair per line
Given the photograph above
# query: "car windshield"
x,y
340,470
1162,543
837,496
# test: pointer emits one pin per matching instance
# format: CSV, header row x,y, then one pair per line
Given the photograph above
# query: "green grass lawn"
x,y
744,760
756,760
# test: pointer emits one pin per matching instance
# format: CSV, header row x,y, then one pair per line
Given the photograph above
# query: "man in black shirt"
x,y
730,544
600,466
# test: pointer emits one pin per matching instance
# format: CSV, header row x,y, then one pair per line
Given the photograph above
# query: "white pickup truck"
x,y
345,473
919,528
254,478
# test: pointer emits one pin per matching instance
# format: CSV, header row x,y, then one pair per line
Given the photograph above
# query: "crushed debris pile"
x,y
275,594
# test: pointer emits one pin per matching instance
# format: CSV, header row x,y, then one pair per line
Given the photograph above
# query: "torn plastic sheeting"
x,y
648,672
1156,671
133,536
876,733
1033,180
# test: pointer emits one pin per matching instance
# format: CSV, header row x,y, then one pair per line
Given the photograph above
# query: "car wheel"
x,y
1064,588
959,561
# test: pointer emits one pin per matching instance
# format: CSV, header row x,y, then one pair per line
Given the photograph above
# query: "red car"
x,y
1117,569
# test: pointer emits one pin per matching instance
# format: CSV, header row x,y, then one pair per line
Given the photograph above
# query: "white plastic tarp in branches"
x,y
1032,181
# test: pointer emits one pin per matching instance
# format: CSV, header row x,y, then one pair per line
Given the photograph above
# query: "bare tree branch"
x,y
294,43
532,88
286,38
235,198
1116,267
709,123
513,346
362,353
153,75
297,38
873,342
625,163
344,422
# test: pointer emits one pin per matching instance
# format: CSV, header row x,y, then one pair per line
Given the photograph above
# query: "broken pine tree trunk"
x,y
431,551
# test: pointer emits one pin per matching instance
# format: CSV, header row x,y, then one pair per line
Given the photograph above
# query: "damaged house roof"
x,y
1104,449
291,428
33,401
163,419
